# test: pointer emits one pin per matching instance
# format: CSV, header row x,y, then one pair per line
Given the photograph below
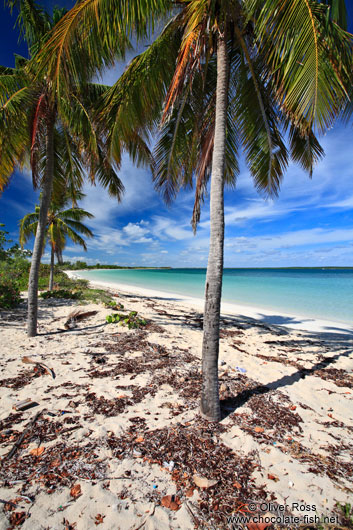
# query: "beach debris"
x,y
69,526
189,492
203,482
25,404
17,518
28,360
18,443
169,465
37,451
241,370
171,501
76,316
191,446
290,484
272,477
99,519
75,491
259,429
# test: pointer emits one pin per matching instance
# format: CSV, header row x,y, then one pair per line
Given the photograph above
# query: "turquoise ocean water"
x,y
318,293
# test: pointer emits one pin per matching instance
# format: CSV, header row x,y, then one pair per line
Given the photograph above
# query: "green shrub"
x,y
9,294
61,293
114,305
131,320
15,270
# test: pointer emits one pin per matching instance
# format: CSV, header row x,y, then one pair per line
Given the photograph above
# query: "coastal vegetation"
x,y
14,276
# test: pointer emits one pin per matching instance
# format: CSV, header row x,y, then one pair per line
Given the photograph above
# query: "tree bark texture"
x,y
210,405
51,277
47,187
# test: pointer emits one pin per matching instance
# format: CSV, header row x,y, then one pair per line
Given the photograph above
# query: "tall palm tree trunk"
x,y
47,187
210,406
51,277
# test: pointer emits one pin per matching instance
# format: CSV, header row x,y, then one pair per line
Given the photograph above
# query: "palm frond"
x,y
292,37
257,121
91,35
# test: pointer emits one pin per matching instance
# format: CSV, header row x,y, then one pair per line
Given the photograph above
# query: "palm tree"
x,y
62,222
54,134
222,75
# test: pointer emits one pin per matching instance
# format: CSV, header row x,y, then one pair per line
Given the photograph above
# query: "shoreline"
x,y
261,315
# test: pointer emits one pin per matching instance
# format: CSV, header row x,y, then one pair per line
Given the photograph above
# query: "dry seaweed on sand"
x,y
196,449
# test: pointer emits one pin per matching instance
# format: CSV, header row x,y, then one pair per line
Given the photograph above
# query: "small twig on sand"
x,y
9,502
194,517
20,439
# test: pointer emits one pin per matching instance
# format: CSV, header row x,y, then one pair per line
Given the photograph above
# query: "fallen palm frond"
x,y
76,316
27,360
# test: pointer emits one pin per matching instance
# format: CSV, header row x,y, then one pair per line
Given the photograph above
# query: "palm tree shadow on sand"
x,y
230,404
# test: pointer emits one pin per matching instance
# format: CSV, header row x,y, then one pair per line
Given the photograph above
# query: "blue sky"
x,y
310,224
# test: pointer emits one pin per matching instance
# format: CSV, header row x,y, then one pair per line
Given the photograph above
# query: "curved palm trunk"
x,y
59,256
47,187
51,277
210,406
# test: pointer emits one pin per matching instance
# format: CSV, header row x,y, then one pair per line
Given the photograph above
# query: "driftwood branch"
x,y
17,444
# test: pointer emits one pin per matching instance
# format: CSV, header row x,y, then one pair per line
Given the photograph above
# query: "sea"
x,y
325,293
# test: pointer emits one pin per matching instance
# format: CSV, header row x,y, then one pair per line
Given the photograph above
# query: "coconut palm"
x,y
221,76
53,133
62,223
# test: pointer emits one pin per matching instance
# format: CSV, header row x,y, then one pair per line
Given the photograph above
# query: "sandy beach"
x,y
115,440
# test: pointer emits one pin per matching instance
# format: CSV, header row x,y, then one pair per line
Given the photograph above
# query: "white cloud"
x,y
166,228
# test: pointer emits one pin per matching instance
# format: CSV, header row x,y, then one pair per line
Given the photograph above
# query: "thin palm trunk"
x,y
59,256
210,405
51,277
47,188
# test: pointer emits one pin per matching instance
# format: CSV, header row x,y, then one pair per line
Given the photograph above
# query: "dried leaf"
x,y
166,500
99,519
17,518
75,491
272,477
171,501
37,451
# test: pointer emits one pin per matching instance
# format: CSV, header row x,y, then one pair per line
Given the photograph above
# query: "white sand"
x,y
128,492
